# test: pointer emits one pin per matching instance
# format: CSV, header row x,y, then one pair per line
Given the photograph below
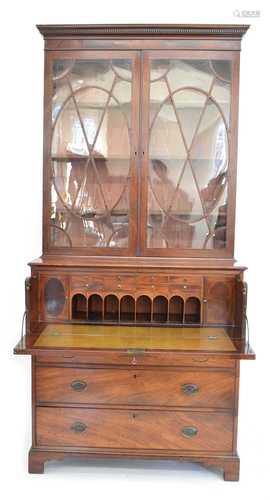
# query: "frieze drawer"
x,y
137,358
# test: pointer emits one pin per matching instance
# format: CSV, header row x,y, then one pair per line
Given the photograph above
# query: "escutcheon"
x,y
189,432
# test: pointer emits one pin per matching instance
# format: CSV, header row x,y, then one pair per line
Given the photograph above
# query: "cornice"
x,y
142,30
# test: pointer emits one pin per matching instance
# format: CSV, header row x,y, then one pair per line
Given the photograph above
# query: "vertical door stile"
x,y
144,150
136,156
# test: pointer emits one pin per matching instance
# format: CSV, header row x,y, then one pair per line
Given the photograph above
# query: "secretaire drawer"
x,y
137,358
134,429
135,387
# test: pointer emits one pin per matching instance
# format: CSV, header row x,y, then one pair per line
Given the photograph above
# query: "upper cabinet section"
x,y
140,142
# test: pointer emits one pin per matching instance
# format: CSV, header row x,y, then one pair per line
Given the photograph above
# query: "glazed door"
x,y
189,133
91,108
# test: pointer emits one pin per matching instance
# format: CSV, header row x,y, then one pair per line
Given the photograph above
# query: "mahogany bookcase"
x,y
136,310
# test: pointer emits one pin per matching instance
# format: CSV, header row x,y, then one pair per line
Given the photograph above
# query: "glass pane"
x,y
166,140
189,118
184,73
91,116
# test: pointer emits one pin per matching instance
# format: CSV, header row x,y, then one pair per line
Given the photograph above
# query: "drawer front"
x,y
134,429
108,283
186,280
118,282
189,285
186,290
135,387
141,359
152,284
87,282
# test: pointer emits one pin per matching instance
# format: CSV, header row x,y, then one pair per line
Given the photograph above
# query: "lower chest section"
x,y
143,408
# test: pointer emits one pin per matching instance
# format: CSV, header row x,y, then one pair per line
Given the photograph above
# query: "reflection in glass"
x,y
188,153
91,114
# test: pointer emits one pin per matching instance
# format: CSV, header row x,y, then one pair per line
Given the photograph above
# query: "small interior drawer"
x,y
185,283
146,280
118,282
90,282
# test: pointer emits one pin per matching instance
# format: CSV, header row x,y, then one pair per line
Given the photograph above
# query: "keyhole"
x,y
135,376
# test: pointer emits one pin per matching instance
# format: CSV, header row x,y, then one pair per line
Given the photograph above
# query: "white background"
x,y
20,232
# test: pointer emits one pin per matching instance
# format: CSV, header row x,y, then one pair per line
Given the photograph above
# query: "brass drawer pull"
x,y
78,385
190,389
189,432
78,427
200,360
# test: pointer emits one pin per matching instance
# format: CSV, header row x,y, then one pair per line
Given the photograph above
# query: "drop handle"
x,y
78,385
78,427
189,432
200,360
190,389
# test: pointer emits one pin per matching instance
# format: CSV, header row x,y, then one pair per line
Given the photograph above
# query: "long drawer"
x,y
135,387
136,429
130,358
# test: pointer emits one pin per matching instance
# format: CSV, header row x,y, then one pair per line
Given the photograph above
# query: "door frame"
x,y
147,56
50,56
